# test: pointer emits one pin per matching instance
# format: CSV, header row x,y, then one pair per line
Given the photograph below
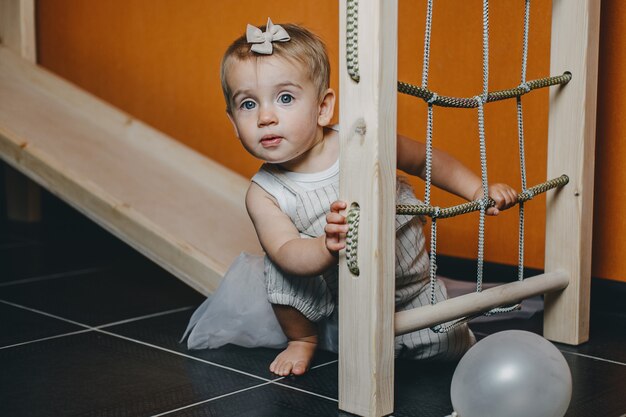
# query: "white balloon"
x,y
512,374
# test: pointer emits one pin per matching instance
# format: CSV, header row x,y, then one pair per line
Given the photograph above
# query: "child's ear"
x,y
230,117
327,108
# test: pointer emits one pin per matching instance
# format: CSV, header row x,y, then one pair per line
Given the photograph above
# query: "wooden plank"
x,y
17,32
180,209
479,302
367,177
571,144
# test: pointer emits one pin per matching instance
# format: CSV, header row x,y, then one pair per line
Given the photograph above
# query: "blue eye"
x,y
248,105
285,98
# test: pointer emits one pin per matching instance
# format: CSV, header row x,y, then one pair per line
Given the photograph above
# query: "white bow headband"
x,y
263,40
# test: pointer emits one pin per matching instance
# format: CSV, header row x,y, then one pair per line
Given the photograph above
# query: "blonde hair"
x,y
304,47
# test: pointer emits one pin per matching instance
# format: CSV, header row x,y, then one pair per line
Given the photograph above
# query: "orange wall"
x,y
159,61
609,225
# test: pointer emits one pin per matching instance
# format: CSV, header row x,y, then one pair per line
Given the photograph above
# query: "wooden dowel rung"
x,y
474,303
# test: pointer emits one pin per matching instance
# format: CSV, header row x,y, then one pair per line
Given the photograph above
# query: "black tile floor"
x,y
91,328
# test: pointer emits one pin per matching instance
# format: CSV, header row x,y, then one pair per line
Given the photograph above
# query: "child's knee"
x,y
311,308
309,295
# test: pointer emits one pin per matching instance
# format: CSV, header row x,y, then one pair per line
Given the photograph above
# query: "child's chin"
x,y
276,160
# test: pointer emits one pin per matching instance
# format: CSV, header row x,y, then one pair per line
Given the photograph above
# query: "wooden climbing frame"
x,y
368,323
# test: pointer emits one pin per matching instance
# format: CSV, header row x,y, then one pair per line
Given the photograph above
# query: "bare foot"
x,y
296,358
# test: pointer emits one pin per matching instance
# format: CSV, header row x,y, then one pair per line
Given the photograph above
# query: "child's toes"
x,y
286,368
274,367
299,368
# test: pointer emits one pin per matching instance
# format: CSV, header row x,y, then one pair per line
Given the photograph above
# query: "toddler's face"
x,y
275,109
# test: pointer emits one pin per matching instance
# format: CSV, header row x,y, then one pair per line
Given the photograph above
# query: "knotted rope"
x,y
354,214
433,99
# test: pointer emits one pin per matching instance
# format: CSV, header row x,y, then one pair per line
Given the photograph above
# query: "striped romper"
x,y
306,199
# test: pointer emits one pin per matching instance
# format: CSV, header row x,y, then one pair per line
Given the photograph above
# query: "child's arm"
x,y
447,173
281,240
451,175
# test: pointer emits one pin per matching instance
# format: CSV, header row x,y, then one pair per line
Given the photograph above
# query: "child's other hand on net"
x,y
503,194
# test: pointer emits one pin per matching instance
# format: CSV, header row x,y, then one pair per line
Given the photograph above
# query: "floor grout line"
x,y
130,339
43,339
211,399
99,330
54,276
321,365
96,329
574,353
16,240
14,245
54,316
87,328
272,382
593,357
147,316
277,382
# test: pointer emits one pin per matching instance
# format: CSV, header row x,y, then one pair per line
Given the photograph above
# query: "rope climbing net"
x,y
432,99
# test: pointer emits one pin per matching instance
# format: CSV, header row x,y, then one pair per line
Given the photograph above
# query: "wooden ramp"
x,y
177,207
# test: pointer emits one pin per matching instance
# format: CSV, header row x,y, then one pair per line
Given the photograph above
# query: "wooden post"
x,y
17,27
17,31
367,178
571,144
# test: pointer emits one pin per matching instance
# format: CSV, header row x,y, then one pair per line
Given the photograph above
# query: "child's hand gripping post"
x,y
336,227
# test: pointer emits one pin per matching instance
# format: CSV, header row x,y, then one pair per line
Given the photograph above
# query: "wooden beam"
x,y
571,149
367,178
479,302
17,32
180,209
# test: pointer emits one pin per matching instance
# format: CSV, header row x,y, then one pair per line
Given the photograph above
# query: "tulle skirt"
x,y
239,313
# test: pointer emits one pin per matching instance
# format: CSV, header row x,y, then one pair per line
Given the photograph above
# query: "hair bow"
x,y
263,40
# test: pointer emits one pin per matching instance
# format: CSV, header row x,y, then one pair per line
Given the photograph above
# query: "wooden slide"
x,y
177,207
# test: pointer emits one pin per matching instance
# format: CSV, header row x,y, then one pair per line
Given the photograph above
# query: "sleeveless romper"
x,y
316,297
